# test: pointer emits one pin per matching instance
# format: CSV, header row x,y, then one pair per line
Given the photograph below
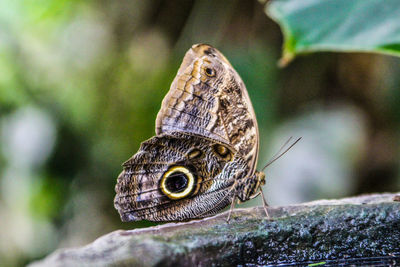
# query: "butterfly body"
x,y
205,149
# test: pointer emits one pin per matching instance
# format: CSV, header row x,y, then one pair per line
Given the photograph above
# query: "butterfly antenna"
x,y
281,148
280,153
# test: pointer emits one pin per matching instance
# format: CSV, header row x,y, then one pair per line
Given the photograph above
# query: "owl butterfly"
x,y
204,154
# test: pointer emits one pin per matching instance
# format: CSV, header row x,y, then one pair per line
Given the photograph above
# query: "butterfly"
x,y
205,151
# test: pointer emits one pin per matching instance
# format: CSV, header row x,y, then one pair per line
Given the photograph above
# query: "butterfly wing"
x,y
176,177
208,98
207,140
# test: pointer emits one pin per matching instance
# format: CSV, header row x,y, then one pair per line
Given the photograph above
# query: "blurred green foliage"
x,y
81,83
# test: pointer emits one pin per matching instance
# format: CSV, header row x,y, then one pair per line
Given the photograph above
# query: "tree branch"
x,y
361,230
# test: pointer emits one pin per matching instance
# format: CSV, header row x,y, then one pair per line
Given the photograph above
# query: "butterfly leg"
x,y
235,190
265,204
231,209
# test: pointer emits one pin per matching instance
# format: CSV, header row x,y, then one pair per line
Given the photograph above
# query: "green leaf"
x,y
337,25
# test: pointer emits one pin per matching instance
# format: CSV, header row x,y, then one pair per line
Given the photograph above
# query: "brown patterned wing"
x,y
208,98
176,177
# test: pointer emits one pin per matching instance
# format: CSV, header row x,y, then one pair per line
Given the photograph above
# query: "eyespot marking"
x,y
223,152
177,182
210,72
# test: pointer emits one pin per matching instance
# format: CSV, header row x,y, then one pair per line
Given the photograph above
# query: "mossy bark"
x,y
354,231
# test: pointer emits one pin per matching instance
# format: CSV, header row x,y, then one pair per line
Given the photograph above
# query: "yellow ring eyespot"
x,y
177,182
209,72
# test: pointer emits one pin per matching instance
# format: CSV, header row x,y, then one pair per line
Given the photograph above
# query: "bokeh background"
x,y
81,83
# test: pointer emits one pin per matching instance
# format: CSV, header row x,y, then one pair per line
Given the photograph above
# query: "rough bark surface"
x,y
361,231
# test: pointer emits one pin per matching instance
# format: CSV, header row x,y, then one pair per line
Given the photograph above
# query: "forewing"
x,y
216,106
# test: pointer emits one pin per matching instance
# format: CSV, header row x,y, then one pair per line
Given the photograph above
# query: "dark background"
x,y
81,83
